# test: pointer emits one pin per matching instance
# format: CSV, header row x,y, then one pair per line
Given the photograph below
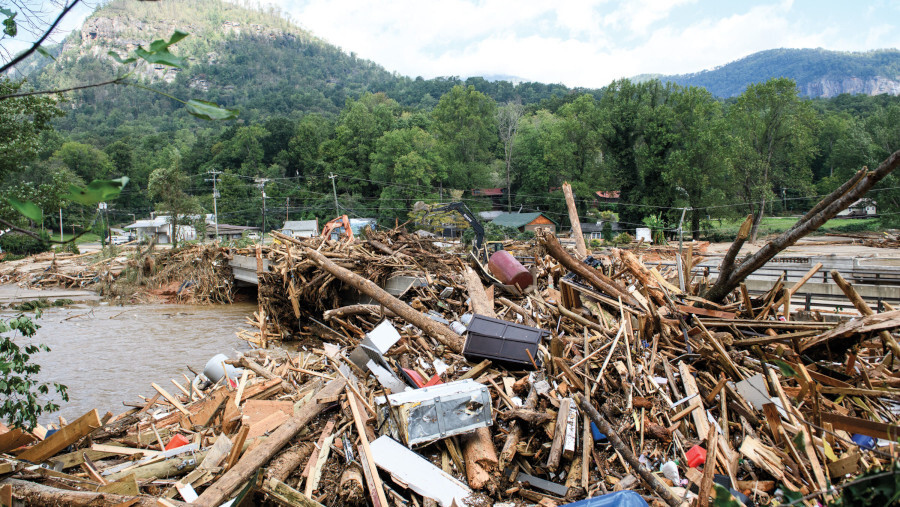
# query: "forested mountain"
x,y
817,72
322,132
253,60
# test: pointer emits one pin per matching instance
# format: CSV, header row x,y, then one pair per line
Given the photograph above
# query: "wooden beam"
x,y
66,436
171,399
580,247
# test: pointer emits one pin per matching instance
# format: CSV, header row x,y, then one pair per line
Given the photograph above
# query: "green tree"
x,y
358,128
24,397
508,117
22,121
697,166
465,125
407,160
772,141
85,161
168,187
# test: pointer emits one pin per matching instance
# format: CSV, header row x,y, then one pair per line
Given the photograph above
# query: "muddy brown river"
x,y
110,354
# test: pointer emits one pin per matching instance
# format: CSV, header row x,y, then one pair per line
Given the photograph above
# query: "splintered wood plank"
x,y
66,436
14,439
690,388
125,486
205,410
171,399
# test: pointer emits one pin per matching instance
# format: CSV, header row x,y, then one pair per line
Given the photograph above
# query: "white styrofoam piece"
x,y
386,378
384,336
754,390
421,476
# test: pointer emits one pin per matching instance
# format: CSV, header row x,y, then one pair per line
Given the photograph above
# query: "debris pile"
x,y
413,383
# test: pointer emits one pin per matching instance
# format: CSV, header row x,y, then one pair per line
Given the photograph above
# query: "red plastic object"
x,y
696,456
435,380
176,442
508,270
420,382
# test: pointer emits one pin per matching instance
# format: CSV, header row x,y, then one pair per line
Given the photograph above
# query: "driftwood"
x,y
864,309
218,492
731,275
37,494
349,310
653,481
434,329
594,277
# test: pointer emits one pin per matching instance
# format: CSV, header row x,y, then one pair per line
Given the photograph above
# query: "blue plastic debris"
x,y
617,499
595,432
863,441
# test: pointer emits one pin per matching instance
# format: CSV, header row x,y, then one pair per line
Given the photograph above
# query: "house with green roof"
x,y
526,222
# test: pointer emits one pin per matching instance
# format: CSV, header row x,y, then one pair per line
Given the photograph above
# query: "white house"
x,y
161,229
861,208
301,228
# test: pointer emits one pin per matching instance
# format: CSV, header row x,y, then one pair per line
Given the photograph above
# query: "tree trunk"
x,y
695,224
731,275
757,218
38,494
594,277
433,328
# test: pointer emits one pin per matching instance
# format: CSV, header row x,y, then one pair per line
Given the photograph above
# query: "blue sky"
x,y
583,42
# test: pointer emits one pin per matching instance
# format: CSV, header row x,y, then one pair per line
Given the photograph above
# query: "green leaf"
x,y
722,497
210,110
162,56
97,191
9,26
7,12
785,368
800,440
162,44
27,208
43,52
115,56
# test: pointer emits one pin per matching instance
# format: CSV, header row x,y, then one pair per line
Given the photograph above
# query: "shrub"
x,y
623,239
23,244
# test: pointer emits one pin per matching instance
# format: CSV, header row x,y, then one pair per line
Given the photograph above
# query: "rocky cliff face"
x,y
829,87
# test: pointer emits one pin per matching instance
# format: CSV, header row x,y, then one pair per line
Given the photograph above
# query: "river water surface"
x,y
110,354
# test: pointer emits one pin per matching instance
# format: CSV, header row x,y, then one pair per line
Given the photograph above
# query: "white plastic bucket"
x,y
213,369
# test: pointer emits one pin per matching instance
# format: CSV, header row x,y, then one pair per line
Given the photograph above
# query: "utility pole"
x,y
60,225
287,205
334,189
215,176
262,186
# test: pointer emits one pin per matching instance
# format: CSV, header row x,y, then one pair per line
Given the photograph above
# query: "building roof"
x,y
592,227
487,191
146,224
229,229
611,194
517,220
301,225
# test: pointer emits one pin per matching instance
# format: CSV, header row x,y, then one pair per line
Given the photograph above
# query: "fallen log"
x,y
594,277
731,274
251,461
349,310
32,493
875,322
434,329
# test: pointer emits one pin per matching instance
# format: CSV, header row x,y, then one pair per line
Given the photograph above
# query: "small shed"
x,y
301,228
592,231
526,222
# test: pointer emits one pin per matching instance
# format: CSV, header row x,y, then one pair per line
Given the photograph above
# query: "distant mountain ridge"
x,y
819,73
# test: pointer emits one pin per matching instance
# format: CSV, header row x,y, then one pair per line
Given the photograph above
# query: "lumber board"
x,y
66,436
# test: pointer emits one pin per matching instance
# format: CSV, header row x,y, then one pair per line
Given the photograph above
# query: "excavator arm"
x,y
341,221
469,217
